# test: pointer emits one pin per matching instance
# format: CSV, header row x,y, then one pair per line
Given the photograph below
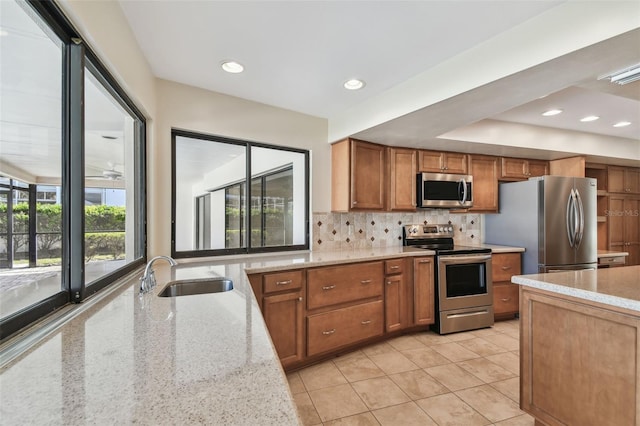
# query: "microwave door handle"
x,y
464,190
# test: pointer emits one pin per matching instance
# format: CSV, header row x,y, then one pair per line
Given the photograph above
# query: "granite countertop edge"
x,y
593,285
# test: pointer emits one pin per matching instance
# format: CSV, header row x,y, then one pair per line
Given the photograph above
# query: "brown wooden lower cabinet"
x,y
580,361
314,313
394,302
284,316
423,291
341,327
505,299
395,295
505,294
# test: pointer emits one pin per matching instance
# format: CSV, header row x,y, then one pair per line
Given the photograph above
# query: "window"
x,y
59,106
216,212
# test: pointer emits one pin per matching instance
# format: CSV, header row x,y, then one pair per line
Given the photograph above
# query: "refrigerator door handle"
x,y
580,209
569,216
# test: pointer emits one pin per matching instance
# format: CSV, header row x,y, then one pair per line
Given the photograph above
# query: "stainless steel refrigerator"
x,y
553,217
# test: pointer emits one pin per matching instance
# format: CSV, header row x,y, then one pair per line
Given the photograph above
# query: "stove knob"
x,y
451,229
440,229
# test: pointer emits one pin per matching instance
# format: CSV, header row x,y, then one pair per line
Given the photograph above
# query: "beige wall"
x,y
189,108
166,105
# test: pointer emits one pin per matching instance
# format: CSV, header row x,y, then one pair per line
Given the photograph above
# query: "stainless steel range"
x,y
464,290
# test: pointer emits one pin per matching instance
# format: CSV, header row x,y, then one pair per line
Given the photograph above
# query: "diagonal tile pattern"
x,y
462,379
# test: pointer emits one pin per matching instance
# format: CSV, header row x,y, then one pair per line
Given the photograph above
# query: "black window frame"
x,y
75,55
175,132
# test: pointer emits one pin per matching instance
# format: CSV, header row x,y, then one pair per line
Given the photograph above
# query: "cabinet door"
x,y
632,230
423,291
615,179
632,181
537,168
283,315
513,168
504,266
402,179
327,286
455,163
394,302
505,299
615,220
430,161
367,176
484,170
343,327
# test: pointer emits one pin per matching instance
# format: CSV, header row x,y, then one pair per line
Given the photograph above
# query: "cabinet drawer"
x,y
282,281
345,326
505,298
340,284
394,266
504,265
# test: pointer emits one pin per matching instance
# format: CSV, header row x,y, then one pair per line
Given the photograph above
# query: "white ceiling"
x,y
297,54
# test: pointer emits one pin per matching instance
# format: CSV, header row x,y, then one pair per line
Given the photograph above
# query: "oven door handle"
x,y
451,260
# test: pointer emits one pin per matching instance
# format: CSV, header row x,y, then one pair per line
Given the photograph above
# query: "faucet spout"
x,y
148,279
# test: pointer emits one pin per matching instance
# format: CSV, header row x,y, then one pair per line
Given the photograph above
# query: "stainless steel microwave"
x,y
442,190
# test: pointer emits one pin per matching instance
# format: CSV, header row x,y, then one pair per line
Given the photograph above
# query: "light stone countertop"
x,y
204,359
609,253
618,287
503,249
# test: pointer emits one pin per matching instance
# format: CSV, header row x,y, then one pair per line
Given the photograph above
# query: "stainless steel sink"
x,y
196,286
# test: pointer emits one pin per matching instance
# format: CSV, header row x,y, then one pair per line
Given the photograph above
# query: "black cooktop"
x,y
438,238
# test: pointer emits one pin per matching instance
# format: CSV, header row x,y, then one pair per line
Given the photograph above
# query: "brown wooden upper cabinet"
x,y
485,171
401,193
624,180
357,176
522,169
442,162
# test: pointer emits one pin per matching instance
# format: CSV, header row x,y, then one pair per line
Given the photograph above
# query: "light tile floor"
x,y
462,379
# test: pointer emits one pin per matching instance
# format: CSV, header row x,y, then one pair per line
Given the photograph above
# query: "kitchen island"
x,y
580,347
205,359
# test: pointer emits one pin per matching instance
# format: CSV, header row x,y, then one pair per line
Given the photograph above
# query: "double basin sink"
x,y
196,286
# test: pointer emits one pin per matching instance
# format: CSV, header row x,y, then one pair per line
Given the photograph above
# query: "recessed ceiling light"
x,y
622,124
589,118
232,67
354,84
552,112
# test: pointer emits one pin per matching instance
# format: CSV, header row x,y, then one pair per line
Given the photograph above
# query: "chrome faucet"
x,y
148,279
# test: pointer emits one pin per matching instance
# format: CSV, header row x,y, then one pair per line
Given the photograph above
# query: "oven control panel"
x,y
428,231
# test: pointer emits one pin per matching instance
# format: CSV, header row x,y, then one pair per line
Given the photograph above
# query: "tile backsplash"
x,y
332,231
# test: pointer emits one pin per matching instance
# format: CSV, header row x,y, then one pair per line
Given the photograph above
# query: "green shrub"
x,y
103,243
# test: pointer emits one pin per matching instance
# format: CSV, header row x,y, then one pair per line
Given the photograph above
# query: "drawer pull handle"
x,y
394,267
506,268
506,299
389,282
299,299
328,287
365,322
425,261
287,282
326,333
365,281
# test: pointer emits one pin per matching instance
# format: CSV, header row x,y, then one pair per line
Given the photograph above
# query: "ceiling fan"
x,y
110,174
